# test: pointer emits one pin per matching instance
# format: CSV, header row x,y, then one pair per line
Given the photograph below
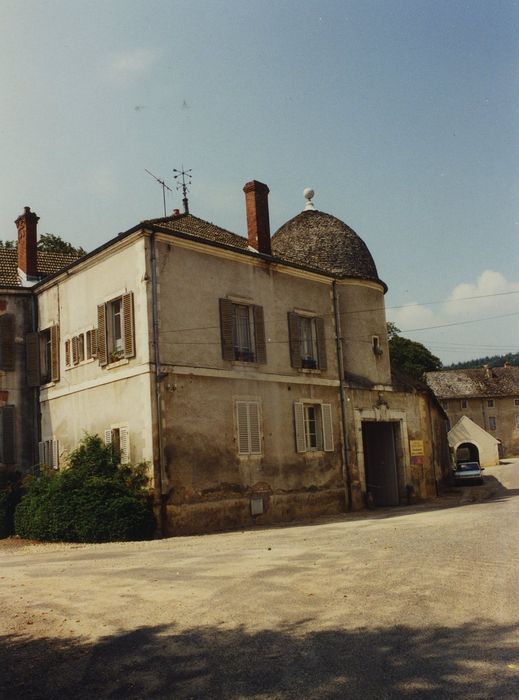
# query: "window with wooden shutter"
x,y
32,349
7,435
313,427
128,325
124,445
7,342
75,351
248,427
226,328
242,328
294,334
259,333
48,452
54,353
326,411
299,424
102,346
91,344
67,353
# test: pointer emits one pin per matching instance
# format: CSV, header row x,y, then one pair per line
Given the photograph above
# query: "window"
x,y
444,404
49,453
248,430
490,403
375,344
516,402
7,342
7,435
463,403
492,423
119,438
115,330
91,344
42,356
242,332
307,342
313,427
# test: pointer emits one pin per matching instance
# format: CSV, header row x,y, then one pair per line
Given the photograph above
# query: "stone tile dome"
x,y
320,240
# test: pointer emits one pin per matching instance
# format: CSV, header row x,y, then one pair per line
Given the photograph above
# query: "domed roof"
x,y
320,240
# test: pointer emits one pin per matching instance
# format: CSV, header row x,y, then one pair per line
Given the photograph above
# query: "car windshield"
x,y
468,467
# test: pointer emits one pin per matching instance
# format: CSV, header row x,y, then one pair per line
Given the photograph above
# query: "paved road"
x,y
418,602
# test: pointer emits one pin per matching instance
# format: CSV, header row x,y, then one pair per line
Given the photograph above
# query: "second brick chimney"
x,y
27,224
258,224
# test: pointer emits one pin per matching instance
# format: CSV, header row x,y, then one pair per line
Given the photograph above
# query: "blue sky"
x,y
401,114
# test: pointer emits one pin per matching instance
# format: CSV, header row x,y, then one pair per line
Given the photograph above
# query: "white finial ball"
x,y
308,193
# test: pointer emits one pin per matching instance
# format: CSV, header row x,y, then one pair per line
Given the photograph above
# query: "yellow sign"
x,y
416,448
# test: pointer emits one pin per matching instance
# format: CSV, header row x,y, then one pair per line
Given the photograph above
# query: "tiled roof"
x,y
187,223
466,383
320,240
48,264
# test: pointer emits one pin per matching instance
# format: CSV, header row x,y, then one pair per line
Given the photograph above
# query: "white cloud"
x,y
128,65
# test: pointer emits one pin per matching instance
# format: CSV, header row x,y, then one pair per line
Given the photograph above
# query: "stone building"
x,y
252,374
489,396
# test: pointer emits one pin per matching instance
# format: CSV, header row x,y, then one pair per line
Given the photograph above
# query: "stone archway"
x,y
467,452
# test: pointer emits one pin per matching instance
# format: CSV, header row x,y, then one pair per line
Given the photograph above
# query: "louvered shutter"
x,y
259,333
226,323
54,353
321,343
75,350
242,427
124,445
54,456
32,349
326,411
67,353
7,338
102,351
254,428
294,335
41,452
93,341
7,435
108,437
299,424
129,326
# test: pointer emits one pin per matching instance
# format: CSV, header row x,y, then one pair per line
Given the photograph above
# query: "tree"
x,y
52,243
409,356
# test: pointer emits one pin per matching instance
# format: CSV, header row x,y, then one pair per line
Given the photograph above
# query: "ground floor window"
x,y
248,427
119,438
49,453
313,426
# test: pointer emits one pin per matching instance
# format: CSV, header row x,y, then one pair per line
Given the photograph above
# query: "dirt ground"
x,y
414,602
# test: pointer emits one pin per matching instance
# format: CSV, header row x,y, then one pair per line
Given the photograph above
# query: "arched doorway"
x,y
467,452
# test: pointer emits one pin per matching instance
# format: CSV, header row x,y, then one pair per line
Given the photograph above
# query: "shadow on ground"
x,y
471,661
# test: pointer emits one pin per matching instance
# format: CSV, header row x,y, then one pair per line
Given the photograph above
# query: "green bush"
x,y
94,500
10,495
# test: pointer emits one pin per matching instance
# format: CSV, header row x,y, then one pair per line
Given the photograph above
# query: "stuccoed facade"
x,y
251,374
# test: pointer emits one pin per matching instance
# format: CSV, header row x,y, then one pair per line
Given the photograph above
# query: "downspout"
x,y
35,391
159,475
342,393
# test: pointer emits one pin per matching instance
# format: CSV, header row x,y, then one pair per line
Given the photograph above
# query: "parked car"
x,y
468,471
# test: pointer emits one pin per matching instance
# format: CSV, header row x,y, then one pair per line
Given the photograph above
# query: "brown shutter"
x,y
294,335
93,336
326,411
32,348
321,343
54,353
75,350
129,330
226,323
259,333
7,452
7,334
102,351
299,424
67,353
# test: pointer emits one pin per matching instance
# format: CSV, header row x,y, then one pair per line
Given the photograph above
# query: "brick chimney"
x,y
27,224
258,225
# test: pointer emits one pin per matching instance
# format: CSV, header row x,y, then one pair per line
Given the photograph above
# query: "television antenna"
x,y
184,174
164,187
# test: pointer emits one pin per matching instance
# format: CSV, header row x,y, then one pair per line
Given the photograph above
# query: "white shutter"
x,y
242,427
124,445
254,428
108,437
54,454
299,424
326,410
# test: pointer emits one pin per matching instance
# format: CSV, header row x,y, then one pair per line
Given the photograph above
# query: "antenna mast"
x,y
164,188
184,185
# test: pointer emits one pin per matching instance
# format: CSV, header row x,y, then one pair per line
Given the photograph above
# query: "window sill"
x,y
47,385
80,364
244,363
306,370
118,363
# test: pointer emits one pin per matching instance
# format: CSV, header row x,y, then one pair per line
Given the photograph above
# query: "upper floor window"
x,y
307,342
492,423
490,403
463,403
242,332
43,356
115,329
516,402
7,342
